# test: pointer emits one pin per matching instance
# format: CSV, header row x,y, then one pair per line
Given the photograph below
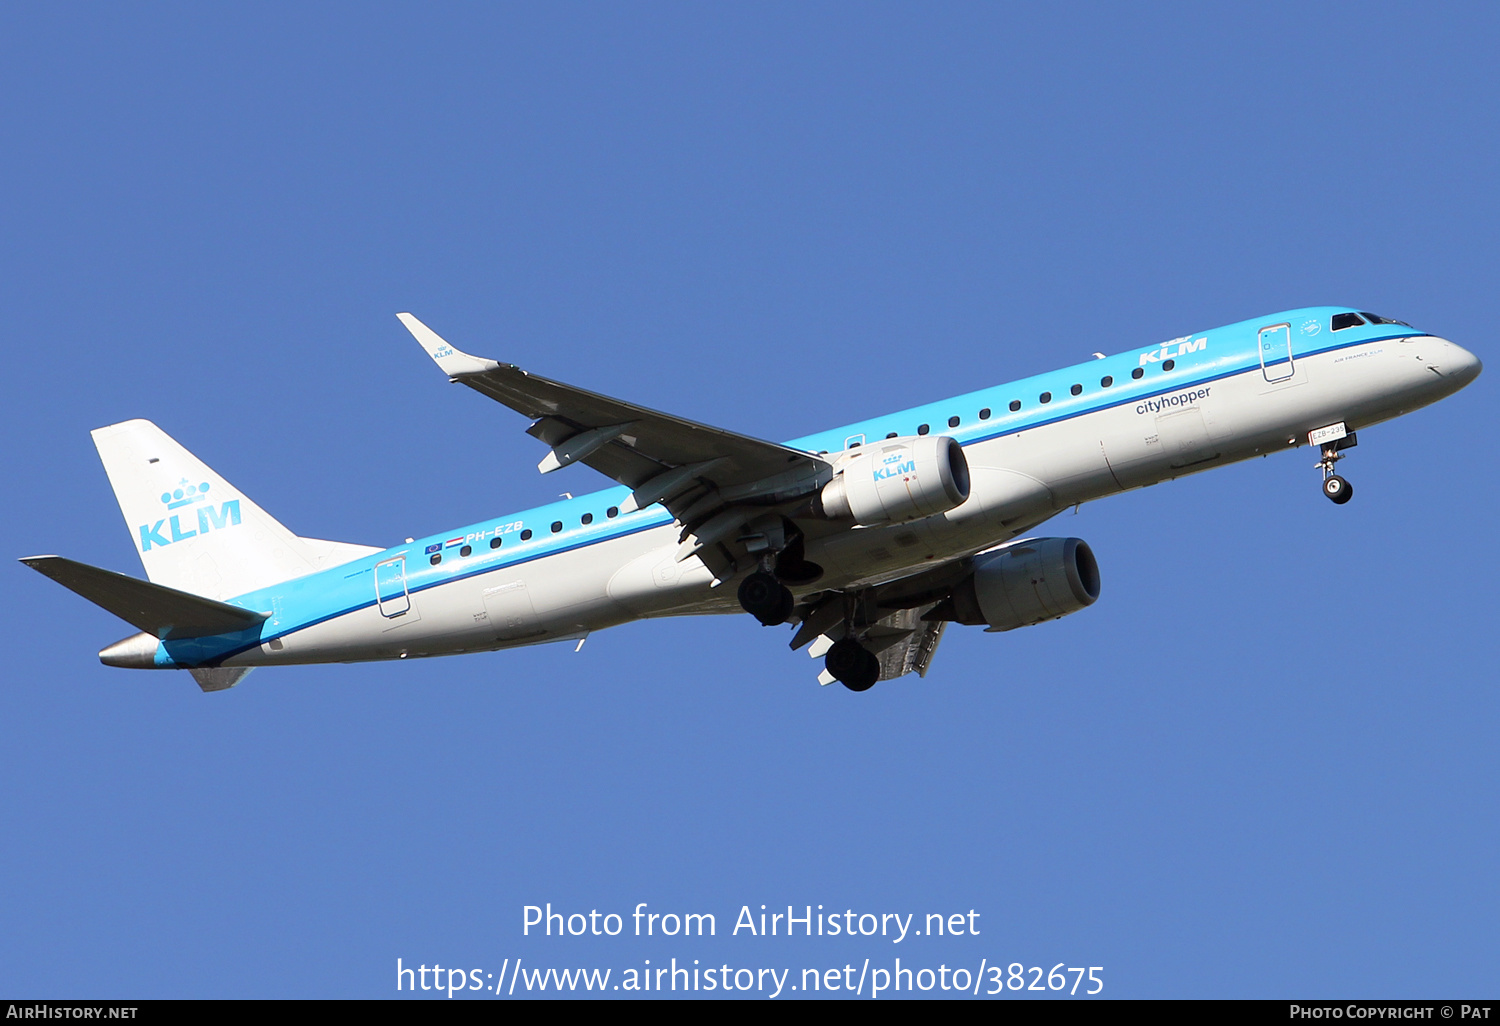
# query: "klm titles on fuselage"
x,y
210,518
1184,345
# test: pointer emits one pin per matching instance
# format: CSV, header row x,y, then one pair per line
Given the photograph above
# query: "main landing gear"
x,y
852,665
1335,487
766,598
764,594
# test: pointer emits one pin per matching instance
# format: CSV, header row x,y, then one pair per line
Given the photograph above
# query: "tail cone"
x,y
137,652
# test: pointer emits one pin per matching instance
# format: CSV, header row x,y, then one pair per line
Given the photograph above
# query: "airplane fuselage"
x,y
1034,447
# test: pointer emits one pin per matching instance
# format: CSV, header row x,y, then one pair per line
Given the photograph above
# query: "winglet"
x,y
453,362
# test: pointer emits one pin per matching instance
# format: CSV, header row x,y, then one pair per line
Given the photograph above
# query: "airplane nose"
x,y
1460,364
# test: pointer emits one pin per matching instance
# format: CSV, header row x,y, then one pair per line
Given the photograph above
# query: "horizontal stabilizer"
x,y
167,613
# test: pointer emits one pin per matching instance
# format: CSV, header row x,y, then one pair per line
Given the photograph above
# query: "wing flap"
x,y
653,442
902,641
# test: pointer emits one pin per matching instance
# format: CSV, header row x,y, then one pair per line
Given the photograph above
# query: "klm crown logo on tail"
x,y
210,518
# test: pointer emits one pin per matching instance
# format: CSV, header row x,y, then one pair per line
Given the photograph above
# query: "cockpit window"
x,y
1342,321
1377,319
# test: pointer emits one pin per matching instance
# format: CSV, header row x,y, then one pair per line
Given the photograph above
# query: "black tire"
x,y
843,658
765,598
852,665
783,611
1337,489
868,673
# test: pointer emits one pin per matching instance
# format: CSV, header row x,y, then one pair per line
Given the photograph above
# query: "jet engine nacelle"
x,y
1025,583
898,479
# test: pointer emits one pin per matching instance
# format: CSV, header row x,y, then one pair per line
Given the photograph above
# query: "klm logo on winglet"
x,y
1184,345
210,518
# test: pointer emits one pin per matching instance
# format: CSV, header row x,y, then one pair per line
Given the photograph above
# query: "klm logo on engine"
x,y
1177,347
172,529
895,465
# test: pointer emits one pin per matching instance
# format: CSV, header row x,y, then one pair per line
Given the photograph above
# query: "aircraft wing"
x,y
713,481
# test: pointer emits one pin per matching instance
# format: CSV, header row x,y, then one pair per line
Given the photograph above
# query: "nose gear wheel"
x,y
1337,488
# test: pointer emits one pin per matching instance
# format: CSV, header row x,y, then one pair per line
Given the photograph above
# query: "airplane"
x,y
868,539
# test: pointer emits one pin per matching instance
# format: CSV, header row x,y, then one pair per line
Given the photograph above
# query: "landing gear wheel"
x,y
852,665
1337,489
766,598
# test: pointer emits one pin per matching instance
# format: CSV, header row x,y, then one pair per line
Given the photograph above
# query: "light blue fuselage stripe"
x,y
1231,350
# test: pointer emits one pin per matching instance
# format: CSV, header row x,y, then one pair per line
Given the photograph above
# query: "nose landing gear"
x,y
1335,487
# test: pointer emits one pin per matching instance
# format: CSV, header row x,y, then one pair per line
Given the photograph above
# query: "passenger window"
x,y
556,526
1137,373
467,550
1106,381
953,422
612,512
1346,320
1076,389
891,435
1167,365
526,534
984,414
922,429
495,542
1015,404
1045,397
587,518
437,557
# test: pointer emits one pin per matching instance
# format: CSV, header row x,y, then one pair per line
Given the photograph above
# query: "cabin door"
x,y
390,587
1276,352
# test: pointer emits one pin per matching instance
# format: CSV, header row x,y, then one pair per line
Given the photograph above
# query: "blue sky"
x,y
1262,765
